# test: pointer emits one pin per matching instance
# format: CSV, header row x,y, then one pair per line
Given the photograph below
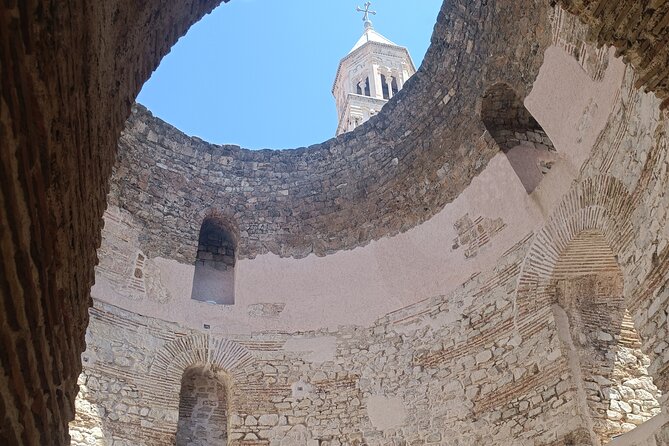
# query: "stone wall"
x,y
449,369
356,286
487,361
296,202
601,338
71,70
203,409
638,29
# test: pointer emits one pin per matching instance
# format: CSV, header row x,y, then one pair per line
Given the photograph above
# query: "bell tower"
x,y
369,76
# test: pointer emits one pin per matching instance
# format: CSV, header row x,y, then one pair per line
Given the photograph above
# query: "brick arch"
x,y
53,229
179,355
600,203
597,207
523,140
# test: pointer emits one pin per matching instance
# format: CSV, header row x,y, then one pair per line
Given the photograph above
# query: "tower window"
x,y
358,88
214,279
384,87
367,90
394,85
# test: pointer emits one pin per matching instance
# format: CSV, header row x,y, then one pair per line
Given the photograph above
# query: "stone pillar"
x,y
389,83
375,83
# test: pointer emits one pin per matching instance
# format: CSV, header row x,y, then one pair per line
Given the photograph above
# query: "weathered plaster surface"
x,y
357,286
443,334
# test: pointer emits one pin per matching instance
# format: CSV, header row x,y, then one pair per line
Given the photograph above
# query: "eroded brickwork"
x,y
474,235
638,29
70,73
452,364
570,34
620,394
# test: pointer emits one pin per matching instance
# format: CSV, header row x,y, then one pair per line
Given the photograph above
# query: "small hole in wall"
x,y
207,326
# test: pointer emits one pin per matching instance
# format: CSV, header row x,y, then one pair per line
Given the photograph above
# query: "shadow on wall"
x,y
214,279
203,408
528,148
604,346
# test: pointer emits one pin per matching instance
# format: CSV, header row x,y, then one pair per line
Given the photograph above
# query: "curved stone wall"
x,y
476,348
401,168
70,73
356,286
74,69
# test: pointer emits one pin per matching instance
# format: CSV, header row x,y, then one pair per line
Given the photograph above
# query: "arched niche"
x,y
203,408
214,278
598,335
528,148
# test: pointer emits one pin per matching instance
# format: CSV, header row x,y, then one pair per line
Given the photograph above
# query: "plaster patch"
x,y
386,412
475,234
177,277
266,310
320,349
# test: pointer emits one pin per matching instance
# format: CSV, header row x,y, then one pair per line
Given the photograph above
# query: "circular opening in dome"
x,y
260,74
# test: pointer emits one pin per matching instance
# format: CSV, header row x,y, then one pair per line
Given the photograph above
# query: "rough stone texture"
x,y
488,363
455,368
296,202
70,72
638,29
482,385
618,391
203,406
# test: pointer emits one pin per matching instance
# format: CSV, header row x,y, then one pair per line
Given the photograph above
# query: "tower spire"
x,y
366,12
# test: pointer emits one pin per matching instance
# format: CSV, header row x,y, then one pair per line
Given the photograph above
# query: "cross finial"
x,y
367,12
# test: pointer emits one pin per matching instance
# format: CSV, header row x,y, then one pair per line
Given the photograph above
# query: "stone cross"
x,y
367,12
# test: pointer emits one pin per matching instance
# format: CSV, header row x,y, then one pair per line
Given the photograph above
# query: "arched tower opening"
x,y
214,279
615,391
384,87
394,86
528,148
203,408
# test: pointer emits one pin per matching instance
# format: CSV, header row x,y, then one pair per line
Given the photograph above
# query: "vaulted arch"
x,y
575,278
177,356
525,143
214,279
203,408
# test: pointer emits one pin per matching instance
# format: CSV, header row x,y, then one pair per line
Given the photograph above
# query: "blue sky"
x,y
259,73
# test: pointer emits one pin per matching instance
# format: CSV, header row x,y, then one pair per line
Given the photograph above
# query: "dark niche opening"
x,y
203,409
528,148
214,279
